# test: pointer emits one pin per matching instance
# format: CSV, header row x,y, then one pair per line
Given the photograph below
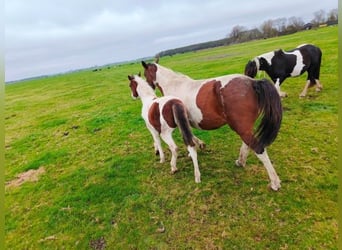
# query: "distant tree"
x,y
333,15
268,29
280,25
236,32
319,18
294,24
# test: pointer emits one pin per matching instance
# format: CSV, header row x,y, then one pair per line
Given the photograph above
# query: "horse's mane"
x,y
171,73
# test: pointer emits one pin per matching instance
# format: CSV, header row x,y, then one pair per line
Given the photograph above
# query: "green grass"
x,y
103,181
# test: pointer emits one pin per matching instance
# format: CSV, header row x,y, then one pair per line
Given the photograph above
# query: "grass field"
x,y
102,187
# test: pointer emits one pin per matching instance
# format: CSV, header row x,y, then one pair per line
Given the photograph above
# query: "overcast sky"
x,y
46,37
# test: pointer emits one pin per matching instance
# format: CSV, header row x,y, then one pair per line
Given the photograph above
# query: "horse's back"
x,y
227,100
312,51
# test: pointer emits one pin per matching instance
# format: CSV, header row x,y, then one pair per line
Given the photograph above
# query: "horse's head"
x,y
133,86
150,73
251,69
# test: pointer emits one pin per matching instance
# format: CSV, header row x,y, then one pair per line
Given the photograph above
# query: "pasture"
x,y
101,186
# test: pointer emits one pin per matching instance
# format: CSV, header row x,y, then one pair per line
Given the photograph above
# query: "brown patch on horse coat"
x,y
212,110
242,115
234,104
154,116
168,113
133,85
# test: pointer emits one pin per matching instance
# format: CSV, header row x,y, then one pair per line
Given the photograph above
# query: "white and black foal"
x,y
280,64
162,115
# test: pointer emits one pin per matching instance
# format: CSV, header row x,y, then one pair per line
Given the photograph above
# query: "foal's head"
x,y
133,86
150,72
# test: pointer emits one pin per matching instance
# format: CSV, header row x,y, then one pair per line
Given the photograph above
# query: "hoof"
x,y
173,171
197,180
202,146
274,187
283,95
239,164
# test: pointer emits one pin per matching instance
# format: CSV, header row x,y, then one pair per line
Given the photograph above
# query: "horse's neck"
x,y
257,62
172,82
145,92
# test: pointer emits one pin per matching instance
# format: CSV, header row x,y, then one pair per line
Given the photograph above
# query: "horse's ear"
x,y
279,52
139,74
144,64
130,77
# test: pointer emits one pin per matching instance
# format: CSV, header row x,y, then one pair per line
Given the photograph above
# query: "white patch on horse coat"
x,y
225,80
302,45
299,63
256,60
268,57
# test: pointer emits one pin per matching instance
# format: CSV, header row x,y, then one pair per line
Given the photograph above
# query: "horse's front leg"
x,y
277,86
244,150
305,90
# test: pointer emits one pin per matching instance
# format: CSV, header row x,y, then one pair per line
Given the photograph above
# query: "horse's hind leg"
x,y
193,154
157,144
261,153
167,137
319,86
275,181
199,143
244,150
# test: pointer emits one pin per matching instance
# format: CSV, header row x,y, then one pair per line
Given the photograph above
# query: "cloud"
x,y
44,37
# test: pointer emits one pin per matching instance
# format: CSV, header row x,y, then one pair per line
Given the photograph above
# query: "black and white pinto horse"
x,y
280,64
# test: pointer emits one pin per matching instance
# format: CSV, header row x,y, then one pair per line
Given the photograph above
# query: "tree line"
x,y
269,28
283,26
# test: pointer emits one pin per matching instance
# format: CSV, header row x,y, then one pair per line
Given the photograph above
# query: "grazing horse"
x,y
280,64
236,100
162,115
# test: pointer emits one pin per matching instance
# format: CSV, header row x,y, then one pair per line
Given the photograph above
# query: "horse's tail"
x,y
271,112
181,119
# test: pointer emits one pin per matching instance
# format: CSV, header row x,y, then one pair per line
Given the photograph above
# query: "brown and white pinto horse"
x,y
236,100
162,115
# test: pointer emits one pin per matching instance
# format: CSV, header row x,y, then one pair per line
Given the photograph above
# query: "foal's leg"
x,y
193,154
244,150
157,144
167,137
275,181
199,143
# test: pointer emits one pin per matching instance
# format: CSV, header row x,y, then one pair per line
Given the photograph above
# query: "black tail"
x,y
181,118
271,111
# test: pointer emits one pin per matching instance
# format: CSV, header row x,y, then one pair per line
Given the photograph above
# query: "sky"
x,y
49,37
